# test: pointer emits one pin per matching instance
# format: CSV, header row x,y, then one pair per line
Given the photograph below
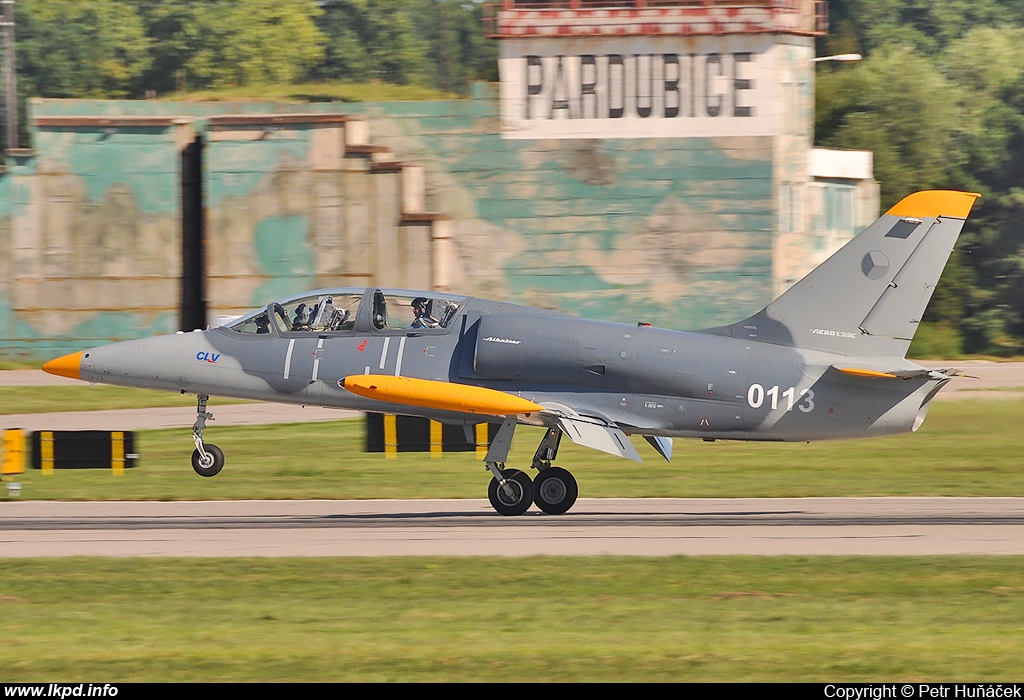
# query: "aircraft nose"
x,y
66,366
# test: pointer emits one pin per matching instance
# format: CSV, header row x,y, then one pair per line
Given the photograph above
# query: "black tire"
x,y
522,498
216,461
555,490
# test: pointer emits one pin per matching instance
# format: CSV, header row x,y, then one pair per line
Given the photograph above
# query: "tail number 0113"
x,y
757,395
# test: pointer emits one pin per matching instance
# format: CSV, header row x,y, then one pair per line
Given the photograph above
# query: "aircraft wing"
x,y
587,431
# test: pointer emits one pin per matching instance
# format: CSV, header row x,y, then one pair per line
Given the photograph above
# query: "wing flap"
x,y
597,436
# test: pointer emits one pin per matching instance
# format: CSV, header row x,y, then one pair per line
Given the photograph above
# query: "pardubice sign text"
x,y
723,90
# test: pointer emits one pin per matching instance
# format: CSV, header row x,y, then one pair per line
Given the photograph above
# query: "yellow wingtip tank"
x,y
935,203
445,396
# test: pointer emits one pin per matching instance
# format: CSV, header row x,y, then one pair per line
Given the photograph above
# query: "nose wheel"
x,y
209,462
207,459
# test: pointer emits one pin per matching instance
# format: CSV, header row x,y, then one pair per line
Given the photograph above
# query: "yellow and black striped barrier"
x,y
83,449
392,434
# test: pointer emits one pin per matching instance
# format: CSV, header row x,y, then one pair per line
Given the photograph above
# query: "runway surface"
x,y
864,526
651,527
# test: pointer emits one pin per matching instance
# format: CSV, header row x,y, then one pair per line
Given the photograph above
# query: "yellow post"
x,y
46,452
14,452
117,453
390,436
436,440
481,440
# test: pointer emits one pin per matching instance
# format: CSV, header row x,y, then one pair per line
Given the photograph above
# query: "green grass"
x,y
1009,389
10,363
625,619
593,619
966,448
84,397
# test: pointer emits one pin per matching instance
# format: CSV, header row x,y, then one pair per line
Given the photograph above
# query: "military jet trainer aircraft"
x,y
825,360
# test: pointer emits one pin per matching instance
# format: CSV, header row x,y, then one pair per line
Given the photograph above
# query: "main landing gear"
x,y
207,459
511,492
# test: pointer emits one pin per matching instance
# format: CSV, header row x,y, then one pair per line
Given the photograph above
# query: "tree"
x,y
374,40
940,101
927,26
987,64
887,104
428,42
461,53
345,56
68,48
220,43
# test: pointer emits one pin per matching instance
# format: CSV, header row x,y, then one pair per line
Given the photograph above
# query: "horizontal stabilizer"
x,y
922,373
428,393
597,436
857,372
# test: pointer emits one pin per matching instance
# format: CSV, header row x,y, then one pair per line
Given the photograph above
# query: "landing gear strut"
x,y
207,459
511,492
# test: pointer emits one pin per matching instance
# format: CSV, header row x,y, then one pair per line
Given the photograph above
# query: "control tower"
x,y
732,77
654,68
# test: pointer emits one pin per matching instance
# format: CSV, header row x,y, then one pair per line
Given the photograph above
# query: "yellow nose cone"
x,y
66,366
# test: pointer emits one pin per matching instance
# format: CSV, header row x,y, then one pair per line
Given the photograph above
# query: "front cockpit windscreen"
x,y
315,313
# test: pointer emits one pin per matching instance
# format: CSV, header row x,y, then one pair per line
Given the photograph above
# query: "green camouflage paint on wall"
x,y
676,232
284,251
89,228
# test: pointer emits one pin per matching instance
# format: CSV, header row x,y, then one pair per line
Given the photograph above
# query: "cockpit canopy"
x,y
349,310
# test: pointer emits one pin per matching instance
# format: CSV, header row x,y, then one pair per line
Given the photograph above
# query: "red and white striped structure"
x,y
580,18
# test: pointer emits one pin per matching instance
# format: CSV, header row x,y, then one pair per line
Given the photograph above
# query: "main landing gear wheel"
x,y
555,490
209,464
515,496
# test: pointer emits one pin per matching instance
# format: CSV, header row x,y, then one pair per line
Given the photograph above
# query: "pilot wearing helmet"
x,y
423,319
301,320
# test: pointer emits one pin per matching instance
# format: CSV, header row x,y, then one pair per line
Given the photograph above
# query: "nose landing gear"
x,y
207,459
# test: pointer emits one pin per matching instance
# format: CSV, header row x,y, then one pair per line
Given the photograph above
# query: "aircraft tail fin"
x,y
867,299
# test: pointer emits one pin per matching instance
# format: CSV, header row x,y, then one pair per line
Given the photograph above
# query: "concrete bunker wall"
x,y
677,232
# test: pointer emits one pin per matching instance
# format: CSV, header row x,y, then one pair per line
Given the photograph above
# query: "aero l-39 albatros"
x,y
825,360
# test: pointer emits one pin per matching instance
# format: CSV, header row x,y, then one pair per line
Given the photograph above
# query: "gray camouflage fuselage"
x,y
646,380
